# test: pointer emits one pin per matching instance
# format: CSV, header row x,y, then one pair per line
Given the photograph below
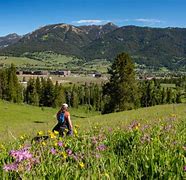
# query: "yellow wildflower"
x,y
75,131
56,132
49,131
81,164
76,126
173,115
2,147
66,130
107,175
22,137
40,133
43,143
52,136
20,146
136,128
64,154
55,144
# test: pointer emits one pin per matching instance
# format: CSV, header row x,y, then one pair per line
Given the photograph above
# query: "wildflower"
x,y
101,147
11,167
56,132
22,137
49,131
43,143
76,126
146,138
97,156
55,144
40,133
94,140
107,175
75,157
173,115
52,136
168,127
60,144
75,131
23,160
81,164
184,168
2,147
134,125
69,152
53,151
64,154
20,155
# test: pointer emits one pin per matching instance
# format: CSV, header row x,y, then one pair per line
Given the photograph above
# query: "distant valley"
x,y
153,47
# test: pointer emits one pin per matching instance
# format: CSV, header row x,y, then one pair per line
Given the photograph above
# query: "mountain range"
x,y
9,39
161,47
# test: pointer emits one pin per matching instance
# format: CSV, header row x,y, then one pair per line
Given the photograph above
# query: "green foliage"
x,y
122,88
10,89
134,151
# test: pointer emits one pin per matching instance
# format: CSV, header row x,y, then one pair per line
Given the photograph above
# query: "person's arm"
x,y
58,114
70,123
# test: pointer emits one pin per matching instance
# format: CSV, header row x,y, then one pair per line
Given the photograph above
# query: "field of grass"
x,y
53,61
16,120
168,85
147,143
20,61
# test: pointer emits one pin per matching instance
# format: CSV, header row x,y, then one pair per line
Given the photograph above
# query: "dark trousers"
x,y
61,129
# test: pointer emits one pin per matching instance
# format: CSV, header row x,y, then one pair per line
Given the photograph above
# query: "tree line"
x,y
121,92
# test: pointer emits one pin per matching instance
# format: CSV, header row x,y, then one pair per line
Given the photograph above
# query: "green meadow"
x,y
19,119
146,143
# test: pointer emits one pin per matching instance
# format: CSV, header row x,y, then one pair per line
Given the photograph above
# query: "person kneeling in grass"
x,y
64,121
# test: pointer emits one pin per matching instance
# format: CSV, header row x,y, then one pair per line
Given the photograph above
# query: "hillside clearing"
x,y
16,120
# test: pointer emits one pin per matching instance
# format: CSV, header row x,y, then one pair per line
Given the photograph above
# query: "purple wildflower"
x,y
20,155
168,127
101,147
146,138
69,152
60,144
184,168
53,151
97,156
144,127
11,167
94,140
75,157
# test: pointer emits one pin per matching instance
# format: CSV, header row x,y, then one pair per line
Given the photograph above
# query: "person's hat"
x,y
65,105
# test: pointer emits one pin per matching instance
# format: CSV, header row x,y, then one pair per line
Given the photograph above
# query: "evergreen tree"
x,y
178,96
38,87
163,96
74,97
60,97
122,88
169,96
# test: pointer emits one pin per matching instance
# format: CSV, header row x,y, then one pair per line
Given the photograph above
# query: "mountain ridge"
x,y
147,45
9,39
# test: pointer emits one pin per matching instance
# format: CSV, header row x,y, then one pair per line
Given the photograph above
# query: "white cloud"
x,y
90,21
153,21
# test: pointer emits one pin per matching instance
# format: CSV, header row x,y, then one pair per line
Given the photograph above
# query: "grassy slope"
x,y
19,61
19,119
54,61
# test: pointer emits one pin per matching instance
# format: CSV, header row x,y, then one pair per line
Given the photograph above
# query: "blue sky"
x,y
23,16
